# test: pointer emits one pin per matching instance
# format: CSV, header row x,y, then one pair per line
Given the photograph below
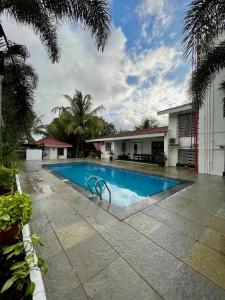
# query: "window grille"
x,y
107,146
185,125
186,156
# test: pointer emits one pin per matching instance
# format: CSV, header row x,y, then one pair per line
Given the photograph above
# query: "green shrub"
x,y
20,269
14,209
6,177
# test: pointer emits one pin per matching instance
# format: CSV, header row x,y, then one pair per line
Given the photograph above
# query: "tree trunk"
x,y
77,151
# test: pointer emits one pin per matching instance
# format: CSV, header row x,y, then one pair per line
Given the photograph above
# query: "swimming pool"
x,y
127,187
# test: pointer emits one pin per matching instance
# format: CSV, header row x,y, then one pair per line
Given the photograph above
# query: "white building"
x,y
210,133
53,149
196,140
181,143
140,145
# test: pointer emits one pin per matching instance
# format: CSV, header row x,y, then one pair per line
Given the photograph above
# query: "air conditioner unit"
x,y
172,141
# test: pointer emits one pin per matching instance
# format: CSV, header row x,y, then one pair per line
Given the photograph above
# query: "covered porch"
x,y
143,149
140,145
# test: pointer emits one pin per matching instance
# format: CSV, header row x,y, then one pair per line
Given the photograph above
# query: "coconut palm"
x,y
18,86
147,123
84,121
44,16
203,25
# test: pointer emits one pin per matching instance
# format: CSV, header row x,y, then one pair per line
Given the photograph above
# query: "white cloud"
x,y
161,10
104,76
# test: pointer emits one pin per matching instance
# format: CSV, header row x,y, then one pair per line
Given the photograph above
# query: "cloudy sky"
x,y
140,72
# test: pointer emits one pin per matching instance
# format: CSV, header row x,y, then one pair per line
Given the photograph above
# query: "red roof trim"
x,y
53,143
135,132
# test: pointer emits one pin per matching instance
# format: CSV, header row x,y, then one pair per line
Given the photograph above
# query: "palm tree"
x,y
34,126
18,85
84,121
203,24
43,16
147,123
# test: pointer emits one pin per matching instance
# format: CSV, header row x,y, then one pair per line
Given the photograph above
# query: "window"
x,y
107,146
135,148
185,125
186,157
60,151
123,147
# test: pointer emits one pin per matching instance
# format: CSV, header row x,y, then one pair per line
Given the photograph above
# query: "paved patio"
x,y
174,249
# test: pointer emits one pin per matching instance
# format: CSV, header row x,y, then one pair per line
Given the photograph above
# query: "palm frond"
x,y
211,63
33,14
92,14
203,22
16,51
97,110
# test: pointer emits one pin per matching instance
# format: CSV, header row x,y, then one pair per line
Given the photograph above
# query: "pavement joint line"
x,y
119,253
73,269
155,244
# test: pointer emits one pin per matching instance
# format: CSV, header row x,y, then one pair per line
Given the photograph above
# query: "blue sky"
x,y
140,72
125,14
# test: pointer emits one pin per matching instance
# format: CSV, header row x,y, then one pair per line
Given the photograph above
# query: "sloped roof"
x,y
53,143
134,133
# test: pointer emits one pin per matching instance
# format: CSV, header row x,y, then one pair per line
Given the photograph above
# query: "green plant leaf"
x,y
30,288
5,217
8,284
18,265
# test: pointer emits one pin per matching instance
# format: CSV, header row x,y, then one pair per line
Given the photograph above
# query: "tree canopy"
x,y
45,16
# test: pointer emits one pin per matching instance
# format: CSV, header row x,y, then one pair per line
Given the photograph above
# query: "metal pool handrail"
x,y
97,183
88,185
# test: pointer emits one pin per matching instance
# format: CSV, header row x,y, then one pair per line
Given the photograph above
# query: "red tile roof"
x,y
53,143
135,132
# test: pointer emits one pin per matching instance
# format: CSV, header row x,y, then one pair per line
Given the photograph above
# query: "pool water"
x,y
127,187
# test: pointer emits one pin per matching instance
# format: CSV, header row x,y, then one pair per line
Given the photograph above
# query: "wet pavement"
x,y
173,249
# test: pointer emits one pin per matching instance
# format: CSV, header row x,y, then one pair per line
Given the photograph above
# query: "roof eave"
x,y
187,106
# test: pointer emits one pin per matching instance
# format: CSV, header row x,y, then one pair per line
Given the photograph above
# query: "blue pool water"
x,y
127,187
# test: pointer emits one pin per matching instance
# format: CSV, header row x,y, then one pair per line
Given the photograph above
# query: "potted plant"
x,y
15,211
6,180
111,154
161,159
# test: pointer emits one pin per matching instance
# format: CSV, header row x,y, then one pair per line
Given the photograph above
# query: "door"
x,y
157,147
137,148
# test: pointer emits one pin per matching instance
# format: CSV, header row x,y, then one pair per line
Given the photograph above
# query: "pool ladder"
x,y
97,187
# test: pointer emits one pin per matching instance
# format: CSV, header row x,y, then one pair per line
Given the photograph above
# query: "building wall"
x,y
33,154
116,147
183,142
53,153
212,131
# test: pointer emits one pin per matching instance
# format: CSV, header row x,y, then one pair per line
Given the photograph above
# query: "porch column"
x,y
166,147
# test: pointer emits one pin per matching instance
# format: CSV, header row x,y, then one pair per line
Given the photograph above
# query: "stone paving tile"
x,y
174,203
170,239
143,223
98,218
51,244
119,282
148,259
188,284
213,239
90,256
75,233
208,262
60,274
77,294
177,222
40,224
